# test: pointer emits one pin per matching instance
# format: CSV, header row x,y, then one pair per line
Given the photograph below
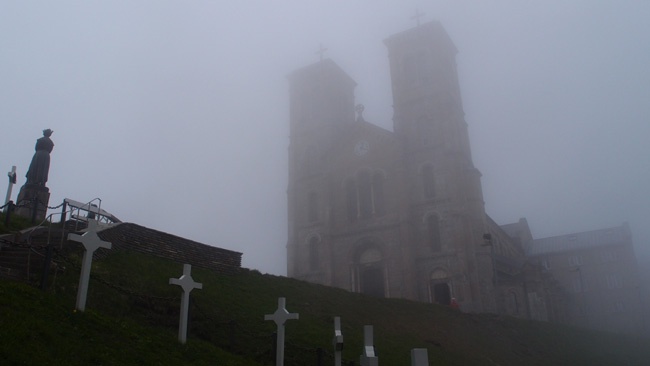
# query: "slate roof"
x,y
583,240
128,236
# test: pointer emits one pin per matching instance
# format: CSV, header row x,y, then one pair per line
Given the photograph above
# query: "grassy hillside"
x,y
132,318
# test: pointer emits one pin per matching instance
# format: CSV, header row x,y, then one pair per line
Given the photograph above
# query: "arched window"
x,y
365,195
378,193
428,184
433,232
313,206
314,258
351,199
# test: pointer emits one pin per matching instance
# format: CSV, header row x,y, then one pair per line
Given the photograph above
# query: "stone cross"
x,y
419,357
368,358
91,242
12,181
338,341
280,316
187,284
417,16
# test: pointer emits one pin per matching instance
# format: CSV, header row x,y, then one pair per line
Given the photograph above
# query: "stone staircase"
x,y
22,255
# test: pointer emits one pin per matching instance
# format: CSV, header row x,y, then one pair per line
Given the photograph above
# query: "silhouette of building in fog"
x,y
401,213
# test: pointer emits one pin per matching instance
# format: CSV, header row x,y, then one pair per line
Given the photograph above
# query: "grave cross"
x,y
417,16
368,358
187,284
280,316
419,357
338,341
91,242
12,181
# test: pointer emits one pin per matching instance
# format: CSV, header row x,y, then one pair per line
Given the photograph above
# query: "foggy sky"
x,y
175,113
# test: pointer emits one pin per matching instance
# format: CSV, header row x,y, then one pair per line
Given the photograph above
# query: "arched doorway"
x,y
371,273
439,289
441,293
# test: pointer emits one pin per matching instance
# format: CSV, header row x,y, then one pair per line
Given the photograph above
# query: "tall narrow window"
x,y
351,199
378,193
428,182
433,228
313,253
313,206
365,195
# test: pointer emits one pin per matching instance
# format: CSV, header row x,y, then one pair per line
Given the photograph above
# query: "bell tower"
x,y
446,202
321,108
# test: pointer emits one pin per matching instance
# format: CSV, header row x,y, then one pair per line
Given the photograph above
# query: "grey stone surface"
x,y
419,357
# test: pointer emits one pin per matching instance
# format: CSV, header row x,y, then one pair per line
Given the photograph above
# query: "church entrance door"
x,y
441,293
372,281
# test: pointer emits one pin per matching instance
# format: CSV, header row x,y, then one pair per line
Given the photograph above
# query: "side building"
x,y
598,269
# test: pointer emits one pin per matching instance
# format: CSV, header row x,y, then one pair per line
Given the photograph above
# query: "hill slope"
x,y
133,319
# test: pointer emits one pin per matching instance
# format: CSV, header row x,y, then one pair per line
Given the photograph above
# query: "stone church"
x,y
401,213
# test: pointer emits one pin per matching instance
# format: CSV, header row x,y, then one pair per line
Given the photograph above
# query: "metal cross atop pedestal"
x,y
280,316
338,341
417,16
368,358
12,181
187,284
91,242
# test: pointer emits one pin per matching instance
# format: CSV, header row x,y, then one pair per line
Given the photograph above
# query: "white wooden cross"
x,y
419,357
338,341
91,242
280,316
368,358
12,181
187,284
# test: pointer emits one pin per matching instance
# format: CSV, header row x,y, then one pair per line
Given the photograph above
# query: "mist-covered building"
x,y
598,270
401,213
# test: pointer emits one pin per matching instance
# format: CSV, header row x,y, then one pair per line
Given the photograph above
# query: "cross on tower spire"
x,y
417,16
321,51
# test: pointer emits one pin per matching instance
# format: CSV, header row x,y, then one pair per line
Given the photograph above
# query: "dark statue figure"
x,y
40,166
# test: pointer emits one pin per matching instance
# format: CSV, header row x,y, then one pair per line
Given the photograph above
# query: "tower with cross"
x,y
388,213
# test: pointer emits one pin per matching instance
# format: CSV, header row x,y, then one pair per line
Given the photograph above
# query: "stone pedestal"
x,y
33,197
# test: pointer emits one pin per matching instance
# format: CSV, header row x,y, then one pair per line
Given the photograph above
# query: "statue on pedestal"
x,y
40,165
34,196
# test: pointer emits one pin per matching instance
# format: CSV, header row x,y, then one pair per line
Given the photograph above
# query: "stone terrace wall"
x,y
128,236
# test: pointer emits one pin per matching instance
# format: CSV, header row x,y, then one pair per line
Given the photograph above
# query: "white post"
x,y
91,242
368,358
12,181
280,316
338,341
419,357
187,284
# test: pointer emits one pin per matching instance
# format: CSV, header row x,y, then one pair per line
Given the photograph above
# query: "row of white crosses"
x,y
419,356
92,242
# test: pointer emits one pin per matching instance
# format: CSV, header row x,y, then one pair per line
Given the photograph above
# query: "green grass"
x,y
132,318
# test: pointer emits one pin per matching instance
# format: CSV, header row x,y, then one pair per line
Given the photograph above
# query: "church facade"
x,y
389,213
401,213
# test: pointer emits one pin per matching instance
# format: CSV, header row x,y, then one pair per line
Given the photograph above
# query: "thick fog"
x,y
175,113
